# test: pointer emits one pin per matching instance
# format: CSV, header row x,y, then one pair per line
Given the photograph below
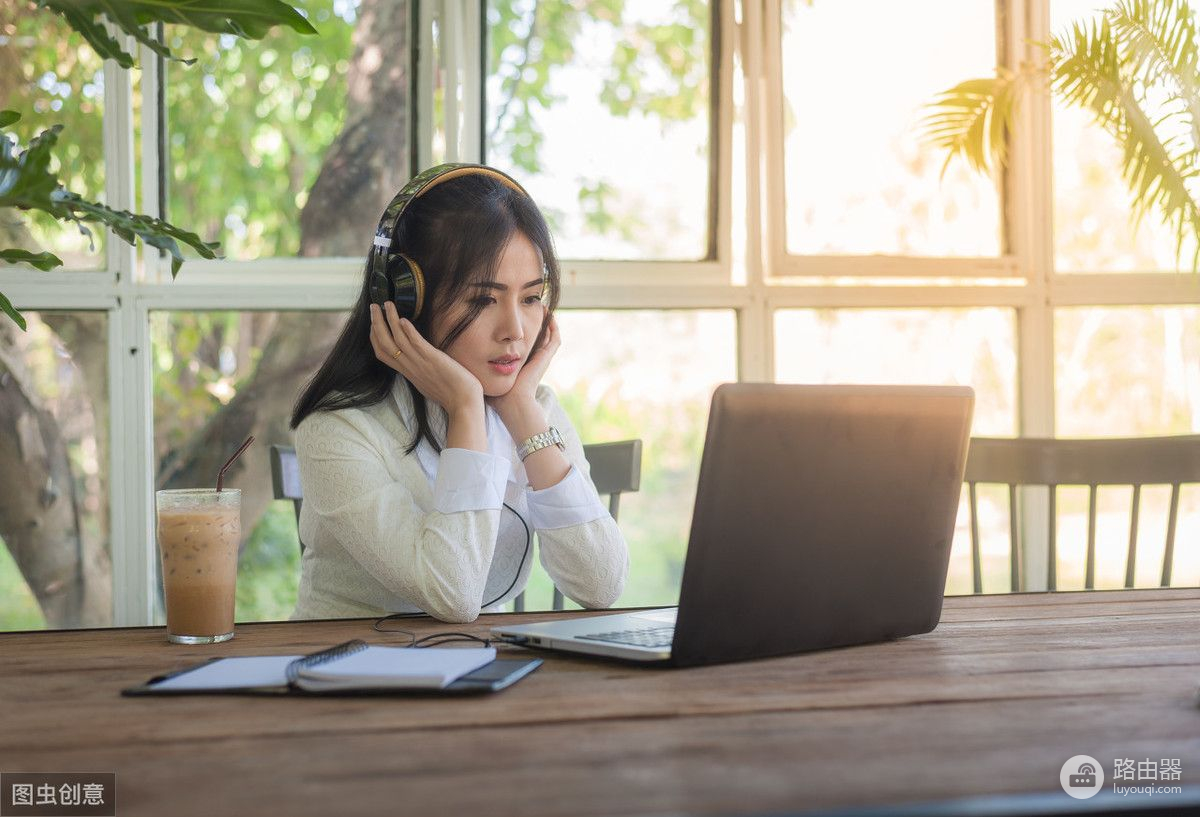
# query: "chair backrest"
x,y
1136,462
285,478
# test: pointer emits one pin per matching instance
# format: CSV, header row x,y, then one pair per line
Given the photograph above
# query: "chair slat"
x,y
1169,552
1131,558
1089,578
976,571
1014,538
1051,552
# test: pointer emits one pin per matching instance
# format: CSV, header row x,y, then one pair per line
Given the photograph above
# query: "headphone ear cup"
x,y
407,286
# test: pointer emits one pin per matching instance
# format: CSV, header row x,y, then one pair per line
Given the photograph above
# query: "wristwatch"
x,y
539,441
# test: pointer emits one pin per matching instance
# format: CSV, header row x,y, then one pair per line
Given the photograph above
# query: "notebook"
x,y
349,668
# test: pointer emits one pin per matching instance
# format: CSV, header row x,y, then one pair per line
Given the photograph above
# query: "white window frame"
x,y
136,282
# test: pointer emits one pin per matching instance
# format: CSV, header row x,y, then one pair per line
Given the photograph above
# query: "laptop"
x,y
823,518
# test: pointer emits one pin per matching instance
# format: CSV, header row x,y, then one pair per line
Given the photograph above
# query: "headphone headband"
x,y
391,274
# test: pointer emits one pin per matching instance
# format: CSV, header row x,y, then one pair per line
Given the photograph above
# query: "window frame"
x,y
135,282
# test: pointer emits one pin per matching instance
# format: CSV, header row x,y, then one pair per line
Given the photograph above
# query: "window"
x,y
737,189
219,377
573,86
1092,227
646,374
50,76
56,567
254,156
857,179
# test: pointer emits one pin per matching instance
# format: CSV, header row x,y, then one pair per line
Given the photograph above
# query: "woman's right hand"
x,y
435,374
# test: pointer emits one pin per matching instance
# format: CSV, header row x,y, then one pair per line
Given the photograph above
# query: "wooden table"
x,y
992,702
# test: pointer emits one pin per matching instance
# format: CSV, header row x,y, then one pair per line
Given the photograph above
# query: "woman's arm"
x,y
438,560
580,545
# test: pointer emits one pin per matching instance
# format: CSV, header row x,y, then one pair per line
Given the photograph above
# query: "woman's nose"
x,y
511,328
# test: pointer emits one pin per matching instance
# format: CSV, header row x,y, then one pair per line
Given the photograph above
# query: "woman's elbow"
x,y
460,612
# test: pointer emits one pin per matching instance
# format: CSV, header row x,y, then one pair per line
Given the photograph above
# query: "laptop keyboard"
x,y
638,637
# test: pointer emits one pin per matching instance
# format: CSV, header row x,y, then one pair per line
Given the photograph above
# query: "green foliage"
x,y
251,19
241,173
27,183
27,180
974,120
39,260
19,609
1134,69
658,70
269,567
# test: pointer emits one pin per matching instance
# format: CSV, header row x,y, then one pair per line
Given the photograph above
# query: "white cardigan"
x,y
385,531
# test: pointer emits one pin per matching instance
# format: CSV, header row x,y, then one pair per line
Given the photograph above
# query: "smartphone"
x,y
501,673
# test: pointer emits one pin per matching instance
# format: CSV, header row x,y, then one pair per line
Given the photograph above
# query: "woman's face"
x,y
496,344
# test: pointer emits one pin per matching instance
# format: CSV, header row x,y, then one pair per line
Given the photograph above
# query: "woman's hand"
x,y
435,374
522,394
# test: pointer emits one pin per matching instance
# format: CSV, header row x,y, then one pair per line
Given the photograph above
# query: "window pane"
x,y
219,377
856,77
604,117
1093,226
1127,372
300,141
645,374
55,555
50,76
971,347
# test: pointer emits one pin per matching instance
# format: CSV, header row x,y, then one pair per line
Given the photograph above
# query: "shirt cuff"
x,y
469,481
572,501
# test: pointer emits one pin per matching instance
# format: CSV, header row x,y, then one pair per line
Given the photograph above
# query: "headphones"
x,y
392,275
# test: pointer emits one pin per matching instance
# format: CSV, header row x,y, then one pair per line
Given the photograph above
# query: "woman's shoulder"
x,y
350,421
545,396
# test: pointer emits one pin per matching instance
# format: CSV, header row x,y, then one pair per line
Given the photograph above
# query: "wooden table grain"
x,y
992,702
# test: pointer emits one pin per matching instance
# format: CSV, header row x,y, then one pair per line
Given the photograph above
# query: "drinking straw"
x,y
236,454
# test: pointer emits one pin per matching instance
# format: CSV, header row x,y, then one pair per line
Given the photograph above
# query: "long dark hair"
x,y
457,232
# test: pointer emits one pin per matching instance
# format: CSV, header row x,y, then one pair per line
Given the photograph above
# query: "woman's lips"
x,y
504,367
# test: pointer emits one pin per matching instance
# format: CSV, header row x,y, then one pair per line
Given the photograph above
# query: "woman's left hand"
x,y
522,394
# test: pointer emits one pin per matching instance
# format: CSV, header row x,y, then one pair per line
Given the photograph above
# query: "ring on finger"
x,y
396,353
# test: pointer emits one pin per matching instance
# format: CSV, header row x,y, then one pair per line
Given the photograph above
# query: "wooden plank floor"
x,y
993,701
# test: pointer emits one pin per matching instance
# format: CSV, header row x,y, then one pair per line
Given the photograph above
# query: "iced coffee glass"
x,y
198,534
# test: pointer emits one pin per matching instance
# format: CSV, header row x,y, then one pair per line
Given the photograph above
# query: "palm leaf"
x,y
1159,40
250,19
1091,71
973,120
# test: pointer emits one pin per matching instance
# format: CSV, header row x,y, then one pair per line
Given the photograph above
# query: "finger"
x,y
379,330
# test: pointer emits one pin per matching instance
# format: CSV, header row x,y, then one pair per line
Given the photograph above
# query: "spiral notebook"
x,y
349,668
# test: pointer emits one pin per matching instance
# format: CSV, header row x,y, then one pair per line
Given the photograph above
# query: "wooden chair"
x,y
1142,461
616,468
285,479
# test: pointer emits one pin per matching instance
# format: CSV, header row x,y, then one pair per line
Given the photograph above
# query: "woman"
x,y
410,436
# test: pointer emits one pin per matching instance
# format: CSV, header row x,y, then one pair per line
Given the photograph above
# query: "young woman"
x,y
410,436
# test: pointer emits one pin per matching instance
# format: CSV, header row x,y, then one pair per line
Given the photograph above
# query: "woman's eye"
x,y
485,300
533,299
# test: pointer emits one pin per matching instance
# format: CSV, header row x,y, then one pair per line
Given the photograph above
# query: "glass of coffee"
x,y
198,534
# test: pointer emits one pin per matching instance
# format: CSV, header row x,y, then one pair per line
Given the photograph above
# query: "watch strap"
x,y
539,441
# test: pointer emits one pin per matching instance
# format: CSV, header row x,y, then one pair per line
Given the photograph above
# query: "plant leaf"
x,y
8,117
8,309
973,119
27,183
41,260
1091,71
250,19
1158,38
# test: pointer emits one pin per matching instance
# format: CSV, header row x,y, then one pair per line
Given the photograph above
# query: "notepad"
x,y
394,667
354,665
